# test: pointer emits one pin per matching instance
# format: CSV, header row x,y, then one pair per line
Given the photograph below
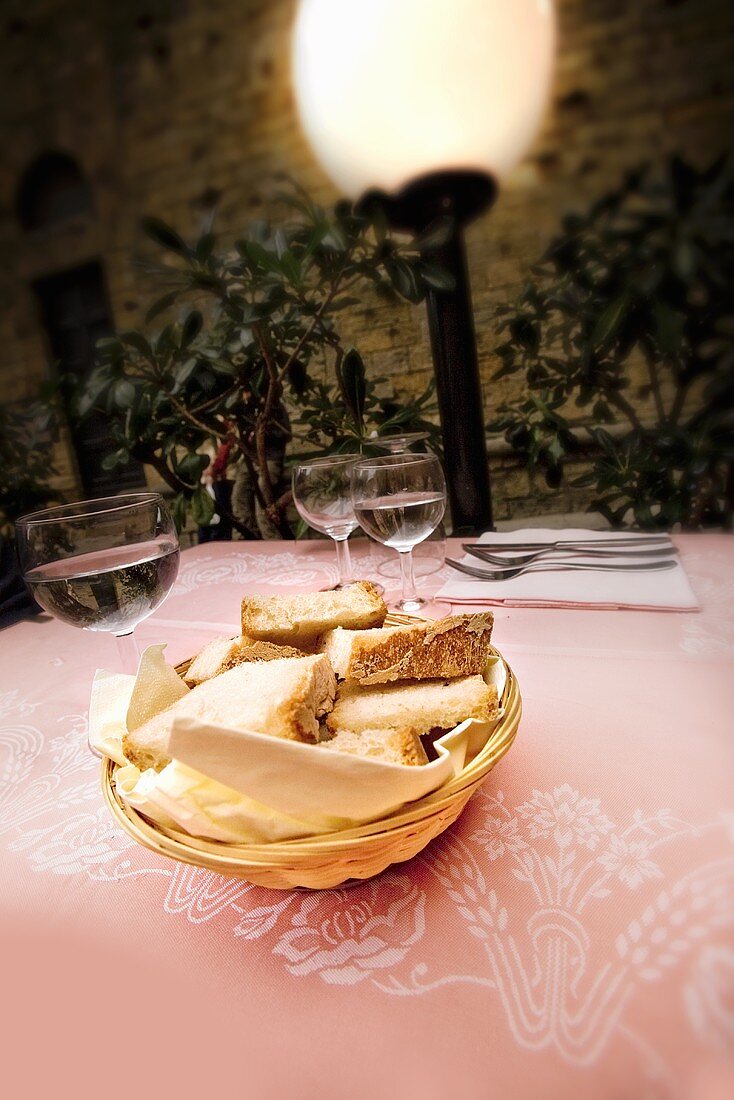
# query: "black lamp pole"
x,y
461,196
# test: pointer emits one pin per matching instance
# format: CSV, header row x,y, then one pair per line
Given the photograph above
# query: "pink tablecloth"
x,y
571,935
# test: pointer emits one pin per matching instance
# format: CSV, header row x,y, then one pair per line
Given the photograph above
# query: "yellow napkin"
x,y
246,787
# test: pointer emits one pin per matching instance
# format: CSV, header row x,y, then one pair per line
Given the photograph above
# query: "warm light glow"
x,y
391,89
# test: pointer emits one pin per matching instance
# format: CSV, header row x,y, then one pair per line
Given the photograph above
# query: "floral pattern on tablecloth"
x,y
527,942
281,568
554,909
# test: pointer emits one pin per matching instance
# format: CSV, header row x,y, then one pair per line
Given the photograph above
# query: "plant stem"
x,y
263,419
272,509
159,464
624,406
677,408
652,371
208,428
315,320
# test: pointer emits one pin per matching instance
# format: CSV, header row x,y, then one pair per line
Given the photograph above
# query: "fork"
x,y
576,544
570,550
547,567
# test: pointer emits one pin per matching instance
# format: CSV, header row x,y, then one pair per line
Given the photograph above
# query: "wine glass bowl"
x,y
322,496
399,500
428,556
102,565
397,442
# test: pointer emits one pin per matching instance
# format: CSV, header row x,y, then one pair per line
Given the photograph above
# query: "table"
x,y
572,934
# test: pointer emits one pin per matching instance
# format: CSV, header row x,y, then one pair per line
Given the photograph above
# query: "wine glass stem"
x,y
128,653
344,561
406,574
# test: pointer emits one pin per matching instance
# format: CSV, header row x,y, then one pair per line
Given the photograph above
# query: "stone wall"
x,y
172,107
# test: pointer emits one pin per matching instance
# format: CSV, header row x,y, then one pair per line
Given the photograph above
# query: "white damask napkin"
x,y
668,590
245,787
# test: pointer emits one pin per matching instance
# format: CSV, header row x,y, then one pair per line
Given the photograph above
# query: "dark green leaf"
x,y
184,371
107,345
191,467
404,279
352,384
437,234
179,508
204,247
439,278
115,459
191,328
335,239
163,235
161,305
259,257
202,507
609,322
123,393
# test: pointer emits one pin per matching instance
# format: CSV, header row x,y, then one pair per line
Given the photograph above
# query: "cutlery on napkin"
x,y
573,573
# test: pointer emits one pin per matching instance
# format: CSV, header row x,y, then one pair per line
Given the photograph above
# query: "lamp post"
x,y
423,105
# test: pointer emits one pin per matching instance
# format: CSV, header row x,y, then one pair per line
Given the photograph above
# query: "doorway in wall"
x,y
76,314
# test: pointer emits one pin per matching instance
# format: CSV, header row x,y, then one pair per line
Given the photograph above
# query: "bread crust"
x,y
222,654
301,620
455,646
422,706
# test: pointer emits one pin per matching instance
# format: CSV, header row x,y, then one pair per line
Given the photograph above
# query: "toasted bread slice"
x,y
283,698
301,620
221,654
455,646
423,706
391,746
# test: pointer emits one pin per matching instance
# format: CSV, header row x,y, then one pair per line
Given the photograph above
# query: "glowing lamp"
x,y
428,104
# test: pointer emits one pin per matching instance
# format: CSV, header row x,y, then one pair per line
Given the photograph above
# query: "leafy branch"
x,y
251,354
625,339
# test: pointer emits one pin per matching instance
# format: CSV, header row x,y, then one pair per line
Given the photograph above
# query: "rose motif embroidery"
x,y
345,936
629,859
499,836
566,816
84,843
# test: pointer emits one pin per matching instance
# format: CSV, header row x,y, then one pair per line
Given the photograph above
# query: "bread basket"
x,y
326,861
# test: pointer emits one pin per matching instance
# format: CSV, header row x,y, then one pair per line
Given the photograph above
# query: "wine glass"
x,y
399,500
398,442
101,564
321,493
428,556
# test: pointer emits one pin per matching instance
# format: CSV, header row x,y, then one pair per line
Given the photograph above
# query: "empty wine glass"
x,y
399,500
321,493
101,564
398,442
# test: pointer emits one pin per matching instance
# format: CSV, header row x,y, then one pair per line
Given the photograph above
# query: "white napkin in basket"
x,y
245,787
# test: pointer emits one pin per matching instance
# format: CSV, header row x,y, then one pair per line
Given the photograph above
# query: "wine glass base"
x,y
410,607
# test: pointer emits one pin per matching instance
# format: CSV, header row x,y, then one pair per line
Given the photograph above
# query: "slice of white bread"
x,y
455,646
301,620
423,706
282,698
221,654
391,746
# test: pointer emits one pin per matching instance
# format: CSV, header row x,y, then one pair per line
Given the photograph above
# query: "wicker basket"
x,y
322,862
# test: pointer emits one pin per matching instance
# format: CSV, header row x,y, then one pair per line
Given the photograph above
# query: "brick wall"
x,y
171,106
